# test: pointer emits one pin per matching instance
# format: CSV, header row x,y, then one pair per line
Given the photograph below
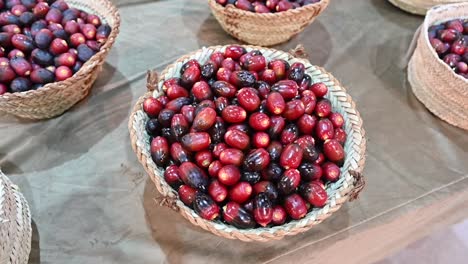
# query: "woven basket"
x,y
15,224
438,87
339,192
55,98
420,7
265,29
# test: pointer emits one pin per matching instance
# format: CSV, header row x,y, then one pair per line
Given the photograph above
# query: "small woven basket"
x,y
15,224
434,83
266,29
55,98
349,185
420,7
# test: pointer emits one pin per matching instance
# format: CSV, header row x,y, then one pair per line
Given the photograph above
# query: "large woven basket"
x,y
265,29
55,98
339,192
15,224
420,7
438,87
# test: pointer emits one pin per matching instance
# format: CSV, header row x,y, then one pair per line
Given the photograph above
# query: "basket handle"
x,y
152,81
359,183
299,52
167,201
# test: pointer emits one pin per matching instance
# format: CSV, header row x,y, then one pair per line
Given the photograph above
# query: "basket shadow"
x,y
319,44
391,71
179,239
72,134
316,40
8,167
208,31
35,254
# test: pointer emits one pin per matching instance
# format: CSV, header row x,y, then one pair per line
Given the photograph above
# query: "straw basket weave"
x,y
55,98
420,7
438,87
265,29
15,224
339,192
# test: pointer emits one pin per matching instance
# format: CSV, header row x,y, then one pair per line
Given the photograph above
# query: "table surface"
x,y
91,201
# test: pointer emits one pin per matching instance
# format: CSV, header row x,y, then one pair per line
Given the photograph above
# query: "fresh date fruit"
x,y
291,157
218,130
289,181
160,151
193,176
229,175
251,177
187,194
237,216
205,119
333,150
179,126
331,171
259,121
234,114
196,141
268,188
277,126
242,79
240,192
237,139
261,140
263,209
310,172
287,88
314,193
172,176
205,207
204,158
231,156
275,103
324,129
178,153
274,150
279,215
272,173
248,99
217,191
295,206
257,160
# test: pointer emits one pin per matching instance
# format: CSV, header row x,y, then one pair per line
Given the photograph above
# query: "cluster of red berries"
x,y
268,6
245,140
450,41
45,41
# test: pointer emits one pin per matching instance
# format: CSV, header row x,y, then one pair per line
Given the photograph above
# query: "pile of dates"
x,y
450,41
44,41
268,6
246,140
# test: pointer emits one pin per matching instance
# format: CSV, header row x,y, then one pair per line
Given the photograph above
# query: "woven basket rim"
x,y
425,33
270,232
87,66
234,10
409,7
417,90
